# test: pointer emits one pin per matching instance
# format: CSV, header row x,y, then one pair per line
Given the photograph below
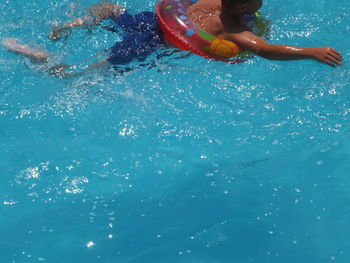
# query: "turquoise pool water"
x,y
190,161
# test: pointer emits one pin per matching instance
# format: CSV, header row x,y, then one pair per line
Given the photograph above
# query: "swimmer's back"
x,y
206,15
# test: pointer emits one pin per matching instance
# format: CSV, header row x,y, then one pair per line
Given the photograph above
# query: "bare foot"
x,y
12,45
60,32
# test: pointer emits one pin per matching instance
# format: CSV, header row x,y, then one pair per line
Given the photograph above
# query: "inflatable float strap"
x,y
179,30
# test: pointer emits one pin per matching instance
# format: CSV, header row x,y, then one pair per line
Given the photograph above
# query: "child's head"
x,y
241,7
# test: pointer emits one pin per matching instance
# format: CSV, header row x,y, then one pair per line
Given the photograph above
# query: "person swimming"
x,y
142,34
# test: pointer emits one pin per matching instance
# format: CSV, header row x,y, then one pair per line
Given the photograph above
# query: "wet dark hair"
x,y
230,3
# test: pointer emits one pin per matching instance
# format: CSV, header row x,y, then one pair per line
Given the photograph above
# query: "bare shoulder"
x,y
206,15
205,7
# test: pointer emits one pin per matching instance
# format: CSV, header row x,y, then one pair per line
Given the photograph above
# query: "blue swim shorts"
x,y
141,36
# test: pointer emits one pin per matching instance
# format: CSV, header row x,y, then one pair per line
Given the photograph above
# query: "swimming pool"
x,y
188,161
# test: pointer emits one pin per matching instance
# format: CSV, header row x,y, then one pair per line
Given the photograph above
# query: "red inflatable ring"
x,y
182,33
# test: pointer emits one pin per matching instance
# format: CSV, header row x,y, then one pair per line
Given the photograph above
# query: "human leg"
x,y
42,57
36,55
96,14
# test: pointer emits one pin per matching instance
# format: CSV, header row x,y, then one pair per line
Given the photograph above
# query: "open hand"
x,y
327,55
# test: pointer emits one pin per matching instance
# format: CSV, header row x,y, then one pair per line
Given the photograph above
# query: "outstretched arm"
x,y
249,41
